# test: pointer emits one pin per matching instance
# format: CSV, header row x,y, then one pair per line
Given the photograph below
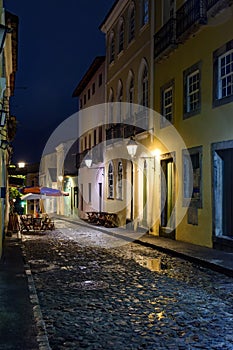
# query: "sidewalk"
x,y
17,325
216,260
21,323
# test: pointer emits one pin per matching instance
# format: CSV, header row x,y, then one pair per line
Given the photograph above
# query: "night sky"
x,y
58,40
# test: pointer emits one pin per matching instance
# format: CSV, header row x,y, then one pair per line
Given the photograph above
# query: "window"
x,y
100,79
223,74
121,36
89,192
111,106
119,181
89,140
93,88
81,103
76,195
111,48
192,177
85,99
130,94
110,181
192,94
89,94
119,99
85,143
167,97
145,12
100,134
95,140
131,24
145,87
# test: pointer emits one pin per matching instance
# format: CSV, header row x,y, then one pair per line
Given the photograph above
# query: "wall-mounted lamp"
x,y
88,161
60,178
3,32
132,147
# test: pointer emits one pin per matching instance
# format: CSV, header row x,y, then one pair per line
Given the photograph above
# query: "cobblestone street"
x,y
128,297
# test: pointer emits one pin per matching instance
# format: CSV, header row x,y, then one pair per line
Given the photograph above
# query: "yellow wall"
x,y
211,125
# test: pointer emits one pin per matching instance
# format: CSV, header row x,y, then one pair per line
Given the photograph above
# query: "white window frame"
x,y
227,76
119,180
110,181
167,104
193,91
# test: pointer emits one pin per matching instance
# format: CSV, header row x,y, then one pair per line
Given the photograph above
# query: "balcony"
x,y
115,131
213,7
80,157
189,17
97,153
165,39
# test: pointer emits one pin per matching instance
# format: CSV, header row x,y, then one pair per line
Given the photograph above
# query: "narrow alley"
x,y
126,297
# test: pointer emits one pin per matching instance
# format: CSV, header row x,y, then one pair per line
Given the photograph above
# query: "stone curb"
x,y
42,336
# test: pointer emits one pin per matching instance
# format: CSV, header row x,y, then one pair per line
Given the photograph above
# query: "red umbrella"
x,y
46,191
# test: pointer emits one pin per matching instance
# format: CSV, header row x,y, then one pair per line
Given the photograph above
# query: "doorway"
x,y
223,193
167,219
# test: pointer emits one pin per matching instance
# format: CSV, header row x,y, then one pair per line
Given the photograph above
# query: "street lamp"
x,y
132,147
88,161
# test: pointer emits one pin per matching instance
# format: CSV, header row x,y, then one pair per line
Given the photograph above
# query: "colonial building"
x,y
90,92
129,29
8,68
193,91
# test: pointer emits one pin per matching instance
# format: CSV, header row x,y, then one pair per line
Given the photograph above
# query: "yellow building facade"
x,y
193,90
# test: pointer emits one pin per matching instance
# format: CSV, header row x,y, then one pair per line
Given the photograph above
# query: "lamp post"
x,y
132,150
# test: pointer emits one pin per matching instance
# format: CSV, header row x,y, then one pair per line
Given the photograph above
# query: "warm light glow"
x,y
156,153
21,164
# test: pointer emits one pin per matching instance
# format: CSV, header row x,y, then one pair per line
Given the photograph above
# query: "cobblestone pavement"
x,y
129,297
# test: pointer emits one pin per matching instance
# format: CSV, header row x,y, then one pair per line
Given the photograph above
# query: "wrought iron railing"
x,y
190,13
165,37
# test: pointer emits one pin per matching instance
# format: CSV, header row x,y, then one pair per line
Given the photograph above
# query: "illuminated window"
x,y
131,24
119,181
121,36
145,12
110,181
192,92
167,99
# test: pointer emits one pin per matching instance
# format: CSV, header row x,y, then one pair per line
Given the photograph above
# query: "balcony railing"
x,y
115,131
97,154
217,5
165,38
80,157
191,14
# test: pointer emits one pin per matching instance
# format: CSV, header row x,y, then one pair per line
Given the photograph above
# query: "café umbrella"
x,y
39,193
44,191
